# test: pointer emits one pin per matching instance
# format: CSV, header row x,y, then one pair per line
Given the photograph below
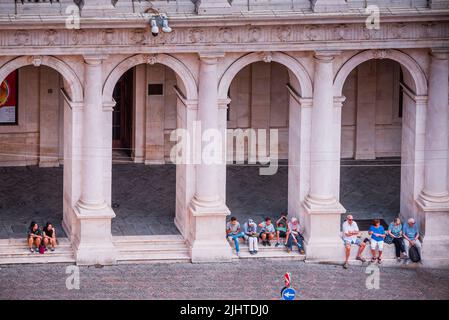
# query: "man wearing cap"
x,y
351,235
411,236
250,230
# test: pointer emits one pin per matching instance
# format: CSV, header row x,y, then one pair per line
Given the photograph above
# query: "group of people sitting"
x,y
403,236
41,239
266,231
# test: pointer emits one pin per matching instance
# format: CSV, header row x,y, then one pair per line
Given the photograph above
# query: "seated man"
x,y
34,236
234,232
250,230
294,236
267,232
351,235
281,229
410,232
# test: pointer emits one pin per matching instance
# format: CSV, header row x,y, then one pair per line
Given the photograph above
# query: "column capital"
x,y
210,57
326,55
94,59
440,53
338,101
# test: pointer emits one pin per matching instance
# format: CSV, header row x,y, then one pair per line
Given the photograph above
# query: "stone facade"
x,y
330,84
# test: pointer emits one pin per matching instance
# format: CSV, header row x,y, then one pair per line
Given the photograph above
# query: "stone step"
x,y
62,242
155,256
38,258
153,239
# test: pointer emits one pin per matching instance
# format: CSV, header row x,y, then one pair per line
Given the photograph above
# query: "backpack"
x,y
41,249
413,253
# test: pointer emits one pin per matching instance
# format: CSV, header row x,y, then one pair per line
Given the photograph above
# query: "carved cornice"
x,y
194,39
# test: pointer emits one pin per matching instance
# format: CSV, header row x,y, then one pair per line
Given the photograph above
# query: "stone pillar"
x,y
97,8
321,204
434,198
207,207
329,5
365,140
93,243
212,7
439,4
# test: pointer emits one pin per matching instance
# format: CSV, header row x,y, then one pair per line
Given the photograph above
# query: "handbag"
x,y
388,239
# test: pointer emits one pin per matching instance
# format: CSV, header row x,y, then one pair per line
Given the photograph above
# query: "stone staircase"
x,y
155,248
15,251
268,252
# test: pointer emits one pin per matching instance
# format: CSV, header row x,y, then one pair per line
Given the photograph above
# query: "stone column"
x,y
434,198
321,204
97,8
207,207
93,242
212,7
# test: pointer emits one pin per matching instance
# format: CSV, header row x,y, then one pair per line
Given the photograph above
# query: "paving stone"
x,y
237,280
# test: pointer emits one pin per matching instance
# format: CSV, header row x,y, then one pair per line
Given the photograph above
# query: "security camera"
x,y
154,28
165,26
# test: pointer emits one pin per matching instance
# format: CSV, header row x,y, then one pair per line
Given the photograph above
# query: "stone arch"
x,y
402,58
181,70
293,65
74,84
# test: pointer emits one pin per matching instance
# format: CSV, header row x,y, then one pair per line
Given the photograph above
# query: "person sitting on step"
x,y
34,236
250,230
234,232
294,235
281,229
49,236
267,231
351,235
377,233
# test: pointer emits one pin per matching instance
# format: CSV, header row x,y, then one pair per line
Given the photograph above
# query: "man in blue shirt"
x,y
411,236
377,233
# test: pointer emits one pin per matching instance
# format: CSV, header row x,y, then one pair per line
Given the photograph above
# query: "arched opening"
x,y
257,118
270,95
144,179
34,121
380,160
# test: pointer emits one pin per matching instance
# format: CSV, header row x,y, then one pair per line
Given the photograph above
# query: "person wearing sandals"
x,y
49,236
34,237
377,233
394,235
250,230
351,235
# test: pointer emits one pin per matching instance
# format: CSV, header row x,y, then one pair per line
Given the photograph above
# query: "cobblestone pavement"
x,y
240,280
143,197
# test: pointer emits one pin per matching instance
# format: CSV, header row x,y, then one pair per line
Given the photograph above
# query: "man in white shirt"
x,y
351,235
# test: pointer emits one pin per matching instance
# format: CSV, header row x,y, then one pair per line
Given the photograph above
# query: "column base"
x,y
93,241
435,242
322,235
99,9
428,202
209,244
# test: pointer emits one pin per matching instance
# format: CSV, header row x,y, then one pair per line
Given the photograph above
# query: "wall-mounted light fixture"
x,y
158,20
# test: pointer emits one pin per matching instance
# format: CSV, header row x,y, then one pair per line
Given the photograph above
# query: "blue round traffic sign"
x,y
288,294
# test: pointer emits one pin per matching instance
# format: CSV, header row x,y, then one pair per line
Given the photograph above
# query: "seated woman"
x,y
377,233
34,236
294,236
394,235
49,236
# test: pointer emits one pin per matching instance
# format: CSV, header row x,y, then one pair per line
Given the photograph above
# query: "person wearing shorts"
x,y
377,233
281,229
351,234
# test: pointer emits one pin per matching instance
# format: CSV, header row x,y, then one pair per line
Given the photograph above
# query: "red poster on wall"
x,y
8,99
